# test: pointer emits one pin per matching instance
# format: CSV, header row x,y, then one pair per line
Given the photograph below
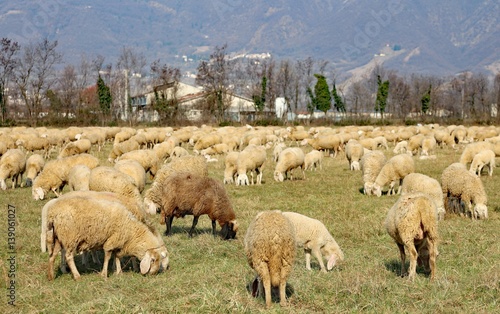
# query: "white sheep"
x,y
12,165
179,152
34,165
458,183
290,158
472,149
135,170
251,159
121,148
104,178
313,160
481,159
314,237
428,145
146,157
326,142
278,148
354,151
401,147
418,182
230,167
412,223
394,170
270,248
371,163
75,148
84,223
79,178
55,174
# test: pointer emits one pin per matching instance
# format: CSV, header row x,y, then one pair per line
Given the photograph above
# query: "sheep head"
x,y
242,179
154,260
278,176
480,211
38,193
229,230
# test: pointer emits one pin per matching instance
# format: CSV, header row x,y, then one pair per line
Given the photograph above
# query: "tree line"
x,y
36,87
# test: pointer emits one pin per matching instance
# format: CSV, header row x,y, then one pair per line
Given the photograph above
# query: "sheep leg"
x,y
317,254
266,281
308,259
107,257
401,248
195,222
214,226
70,260
118,265
53,254
432,257
413,260
168,222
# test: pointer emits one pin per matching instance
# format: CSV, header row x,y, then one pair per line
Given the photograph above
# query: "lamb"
x,y
418,182
457,182
189,194
270,248
290,158
313,159
79,178
401,147
135,170
312,235
12,165
83,223
481,159
371,164
146,157
472,149
192,164
251,159
34,165
396,169
55,174
412,223
353,152
230,167
75,148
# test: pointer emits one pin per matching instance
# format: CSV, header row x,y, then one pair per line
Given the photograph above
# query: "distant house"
x,y
188,96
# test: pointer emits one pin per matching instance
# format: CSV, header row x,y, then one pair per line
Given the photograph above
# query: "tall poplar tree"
x,y
382,93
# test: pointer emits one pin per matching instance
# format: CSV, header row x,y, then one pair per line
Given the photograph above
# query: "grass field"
x,y
209,275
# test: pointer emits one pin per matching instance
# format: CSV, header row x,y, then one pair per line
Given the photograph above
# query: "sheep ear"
x,y
331,262
145,263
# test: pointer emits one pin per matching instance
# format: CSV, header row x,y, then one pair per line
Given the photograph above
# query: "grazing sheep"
x,y
313,159
75,148
32,143
415,144
217,149
481,159
79,178
34,165
12,165
312,235
251,159
270,248
84,223
230,167
121,148
55,174
290,158
412,223
401,147
326,142
164,149
135,170
103,178
146,157
458,183
418,182
189,194
371,164
428,145
192,164
381,142
278,148
472,149
179,152
396,169
206,141
353,152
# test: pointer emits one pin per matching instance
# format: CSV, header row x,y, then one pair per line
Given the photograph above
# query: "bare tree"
x,y
68,91
213,76
8,62
285,82
166,85
35,75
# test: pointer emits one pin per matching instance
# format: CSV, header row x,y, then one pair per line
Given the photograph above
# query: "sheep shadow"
x,y
185,230
361,190
275,294
394,266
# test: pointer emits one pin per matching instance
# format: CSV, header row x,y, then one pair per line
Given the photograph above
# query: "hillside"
x,y
449,35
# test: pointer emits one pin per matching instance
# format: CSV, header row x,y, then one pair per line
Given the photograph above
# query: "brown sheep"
x,y
190,194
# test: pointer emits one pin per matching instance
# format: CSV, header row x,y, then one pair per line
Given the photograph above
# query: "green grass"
x,y
209,275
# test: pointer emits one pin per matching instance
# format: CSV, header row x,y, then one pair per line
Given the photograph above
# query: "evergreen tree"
x,y
382,93
338,102
426,100
322,94
260,100
104,96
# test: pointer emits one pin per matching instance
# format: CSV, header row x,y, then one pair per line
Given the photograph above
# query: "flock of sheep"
x,y
108,208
